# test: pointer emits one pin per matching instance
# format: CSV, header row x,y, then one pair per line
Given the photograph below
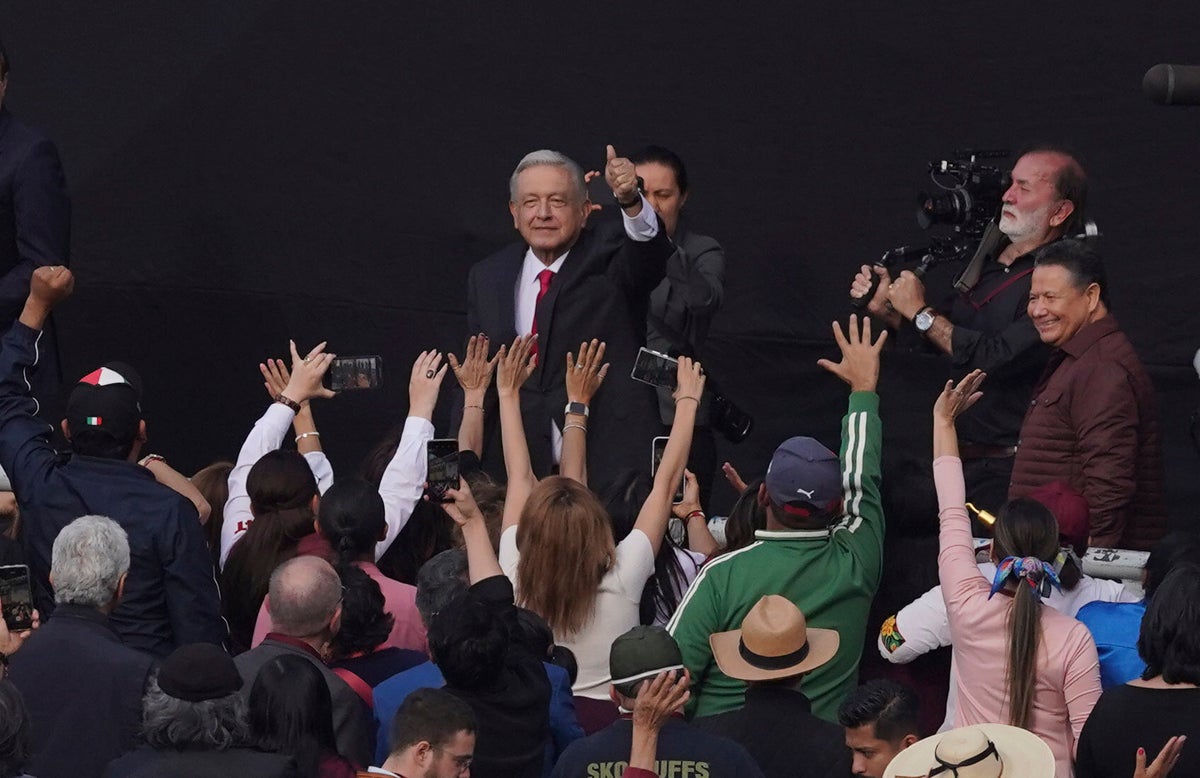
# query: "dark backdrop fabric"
x,y
245,172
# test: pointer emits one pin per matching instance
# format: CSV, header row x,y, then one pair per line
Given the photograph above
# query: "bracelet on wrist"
x,y
480,407
630,203
687,397
146,460
283,399
574,425
694,514
303,435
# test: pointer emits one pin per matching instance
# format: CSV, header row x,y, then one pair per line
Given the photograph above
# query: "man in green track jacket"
x,y
822,548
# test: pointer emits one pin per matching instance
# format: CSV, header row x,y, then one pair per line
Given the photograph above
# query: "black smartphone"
x,y
657,447
441,454
346,373
654,368
16,596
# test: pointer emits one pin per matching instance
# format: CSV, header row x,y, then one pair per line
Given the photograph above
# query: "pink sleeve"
x,y
1081,687
957,571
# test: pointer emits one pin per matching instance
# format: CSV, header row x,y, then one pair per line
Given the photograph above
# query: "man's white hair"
x,y
548,157
87,561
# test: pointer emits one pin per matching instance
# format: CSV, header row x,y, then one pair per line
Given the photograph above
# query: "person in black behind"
x,y
772,652
475,642
35,224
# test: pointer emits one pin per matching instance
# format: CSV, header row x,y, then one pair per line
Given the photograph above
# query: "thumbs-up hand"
x,y
622,177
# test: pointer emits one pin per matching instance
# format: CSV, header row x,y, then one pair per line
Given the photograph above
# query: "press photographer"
x,y
984,324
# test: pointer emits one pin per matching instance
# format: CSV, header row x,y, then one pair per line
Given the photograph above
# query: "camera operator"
x,y
986,326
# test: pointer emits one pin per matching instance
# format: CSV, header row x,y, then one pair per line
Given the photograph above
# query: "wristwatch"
x,y
579,409
924,319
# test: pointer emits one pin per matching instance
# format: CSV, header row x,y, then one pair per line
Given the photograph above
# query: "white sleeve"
x,y
403,481
266,435
635,564
642,227
321,469
509,557
919,627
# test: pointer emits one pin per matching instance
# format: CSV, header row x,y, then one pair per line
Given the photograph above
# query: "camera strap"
x,y
989,249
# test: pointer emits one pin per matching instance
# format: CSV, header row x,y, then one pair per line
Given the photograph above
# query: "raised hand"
x,y
307,373
689,380
691,497
275,376
956,399
50,285
585,374
734,478
621,175
516,365
588,177
474,373
424,383
859,366
461,504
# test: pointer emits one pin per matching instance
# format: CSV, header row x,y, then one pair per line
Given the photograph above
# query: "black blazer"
x,y
83,688
35,228
602,291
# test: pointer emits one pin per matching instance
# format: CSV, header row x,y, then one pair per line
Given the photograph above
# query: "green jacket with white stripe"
x,y
831,575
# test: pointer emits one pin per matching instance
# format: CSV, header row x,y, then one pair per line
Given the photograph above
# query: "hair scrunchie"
x,y
1038,574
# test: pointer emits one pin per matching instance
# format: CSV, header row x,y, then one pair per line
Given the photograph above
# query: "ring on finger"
x,y
429,374
579,366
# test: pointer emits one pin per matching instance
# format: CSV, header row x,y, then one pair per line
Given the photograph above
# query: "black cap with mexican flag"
x,y
107,399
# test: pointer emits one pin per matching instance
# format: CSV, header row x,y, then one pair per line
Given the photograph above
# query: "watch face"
x,y
924,320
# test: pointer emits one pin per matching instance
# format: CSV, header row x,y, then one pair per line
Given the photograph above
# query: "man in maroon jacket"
x,y
1093,421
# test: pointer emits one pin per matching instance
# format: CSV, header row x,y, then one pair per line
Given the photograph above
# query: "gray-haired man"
x,y
84,713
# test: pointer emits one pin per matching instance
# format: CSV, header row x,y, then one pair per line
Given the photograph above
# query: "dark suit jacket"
x,y
35,228
601,292
351,718
83,688
148,763
779,730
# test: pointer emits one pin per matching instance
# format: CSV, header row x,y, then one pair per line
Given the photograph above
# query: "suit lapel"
x,y
506,282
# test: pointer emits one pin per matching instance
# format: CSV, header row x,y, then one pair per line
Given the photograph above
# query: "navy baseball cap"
x,y
804,471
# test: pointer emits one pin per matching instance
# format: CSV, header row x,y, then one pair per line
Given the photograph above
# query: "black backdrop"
x,y
244,172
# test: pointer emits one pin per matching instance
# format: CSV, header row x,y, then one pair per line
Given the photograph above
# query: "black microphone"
x,y
1173,84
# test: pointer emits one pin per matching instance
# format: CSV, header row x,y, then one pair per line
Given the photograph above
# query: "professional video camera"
x,y
968,202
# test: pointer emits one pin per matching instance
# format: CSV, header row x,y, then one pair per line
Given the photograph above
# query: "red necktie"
x,y
544,281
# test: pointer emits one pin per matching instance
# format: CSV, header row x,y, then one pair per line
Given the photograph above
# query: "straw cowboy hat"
x,y
774,642
979,751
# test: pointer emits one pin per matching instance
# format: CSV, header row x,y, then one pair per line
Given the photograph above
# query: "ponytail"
x,y
351,518
1026,536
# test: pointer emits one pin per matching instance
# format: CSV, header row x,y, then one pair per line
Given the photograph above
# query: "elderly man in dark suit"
x,y
84,713
567,283
35,224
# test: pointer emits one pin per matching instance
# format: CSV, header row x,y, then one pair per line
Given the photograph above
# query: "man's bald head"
x,y
305,596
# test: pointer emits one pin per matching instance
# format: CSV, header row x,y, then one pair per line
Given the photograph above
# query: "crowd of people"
x,y
562,612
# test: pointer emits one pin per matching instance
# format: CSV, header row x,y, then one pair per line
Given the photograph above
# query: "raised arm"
x,y
403,480
584,376
308,440
656,511
957,570
516,365
267,434
481,557
474,375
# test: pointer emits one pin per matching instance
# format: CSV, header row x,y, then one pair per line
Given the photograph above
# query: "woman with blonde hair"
x,y
556,541
1018,663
